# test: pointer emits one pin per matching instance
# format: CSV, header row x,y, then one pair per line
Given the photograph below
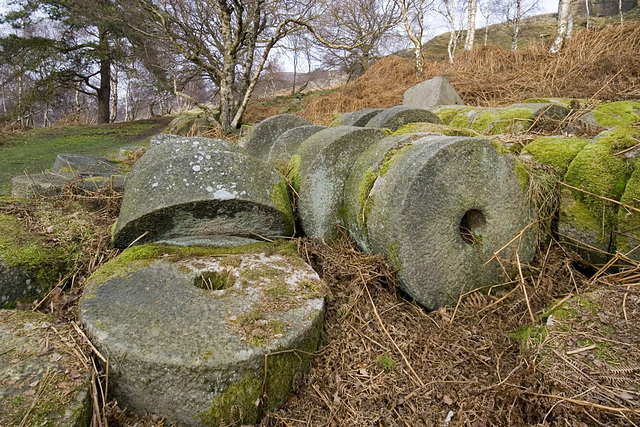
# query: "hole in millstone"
x,y
472,226
214,280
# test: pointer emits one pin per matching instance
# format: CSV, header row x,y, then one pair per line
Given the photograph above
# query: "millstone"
x,y
43,382
176,146
264,134
287,144
219,199
326,159
189,333
363,174
395,117
85,165
356,118
441,210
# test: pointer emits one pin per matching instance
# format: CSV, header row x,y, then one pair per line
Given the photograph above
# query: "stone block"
x,y
431,93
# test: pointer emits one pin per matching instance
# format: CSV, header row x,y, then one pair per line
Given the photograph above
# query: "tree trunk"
x,y
486,25
564,10
226,97
114,97
471,26
516,26
104,91
588,13
451,47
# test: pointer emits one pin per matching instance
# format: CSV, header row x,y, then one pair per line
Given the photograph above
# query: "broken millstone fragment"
x,y
204,337
441,210
226,198
265,133
431,93
53,184
44,378
325,160
358,118
84,165
395,117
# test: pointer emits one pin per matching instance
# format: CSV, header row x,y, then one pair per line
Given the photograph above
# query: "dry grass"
x,y
384,361
602,64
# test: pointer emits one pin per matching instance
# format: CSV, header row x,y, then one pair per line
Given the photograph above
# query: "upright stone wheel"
x,y
223,199
265,133
373,162
442,209
204,337
356,118
325,160
395,117
287,144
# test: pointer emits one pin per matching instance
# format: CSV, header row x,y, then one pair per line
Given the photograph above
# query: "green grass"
x,y
35,150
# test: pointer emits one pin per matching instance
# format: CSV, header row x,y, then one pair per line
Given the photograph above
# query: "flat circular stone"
x,y
43,382
188,330
441,210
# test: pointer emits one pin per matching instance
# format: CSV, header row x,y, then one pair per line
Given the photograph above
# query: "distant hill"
x,y
532,29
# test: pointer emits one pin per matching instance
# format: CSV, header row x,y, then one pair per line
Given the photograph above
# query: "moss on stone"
x,y
555,151
628,236
617,113
596,169
293,172
136,257
391,156
394,255
280,198
510,120
245,401
447,114
32,253
434,127
522,174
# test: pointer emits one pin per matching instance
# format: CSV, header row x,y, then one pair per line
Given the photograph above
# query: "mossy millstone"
x,y
222,198
588,223
29,266
189,330
287,144
494,121
556,152
628,233
395,117
326,159
265,133
356,118
441,211
373,162
42,381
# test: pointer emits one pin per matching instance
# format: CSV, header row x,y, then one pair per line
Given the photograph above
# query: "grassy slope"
x,y
35,150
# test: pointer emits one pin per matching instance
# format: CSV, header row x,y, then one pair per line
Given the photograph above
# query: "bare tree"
x,y
512,12
413,13
564,12
471,25
228,41
352,31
